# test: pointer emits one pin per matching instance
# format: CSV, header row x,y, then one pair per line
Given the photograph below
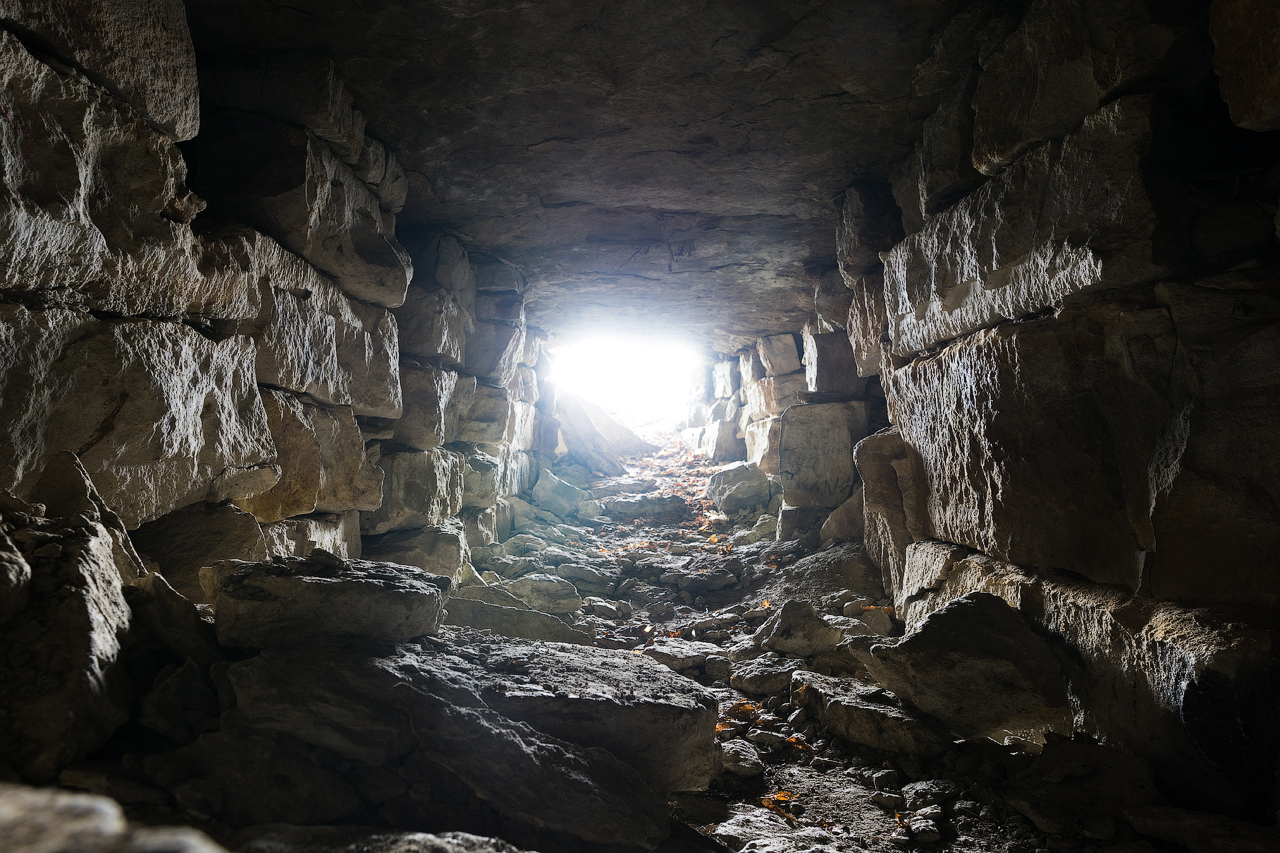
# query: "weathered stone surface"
x,y
725,379
298,601
437,550
41,820
846,523
141,54
976,666
621,437
941,169
739,488
1053,70
718,441
347,480
763,676
72,382
741,759
866,714
892,497
555,495
663,508
433,405
298,88
867,323
489,419
493,350
1244,57
1068,216
1081,788
506,621
829,364
293,187
797,629
173,620
337,533
297,456
93,186
870,223
832,299
433,324
763,439
815,452
419,489
679,655
1200,832
66,690
1151,677
779,354
584,442
188,539
771,396
548,593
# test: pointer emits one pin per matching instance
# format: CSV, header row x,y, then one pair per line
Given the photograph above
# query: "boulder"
x,y
797,629
623,440
658,507
725,379
347,480
830,366
892,498
98,388
832,299
738,489
342,839
172,620
1066,217
419,489
846,523
763,676
506,621
68,623
297,601
291,185
976,666
439,551
741,759
555,495
38,820
867,715
779,354
679,655
547,593
815,452
186,540
750,367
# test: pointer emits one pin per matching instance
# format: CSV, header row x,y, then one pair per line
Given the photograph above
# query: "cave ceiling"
x,y
671,166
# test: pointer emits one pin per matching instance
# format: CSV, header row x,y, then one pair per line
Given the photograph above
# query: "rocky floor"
x,y
583,664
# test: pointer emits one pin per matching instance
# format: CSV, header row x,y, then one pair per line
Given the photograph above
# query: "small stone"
x,y
886,799
886,779
929,793
766,737
924,831
718,668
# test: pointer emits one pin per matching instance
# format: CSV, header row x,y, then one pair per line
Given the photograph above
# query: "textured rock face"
x,y
160,416
815,456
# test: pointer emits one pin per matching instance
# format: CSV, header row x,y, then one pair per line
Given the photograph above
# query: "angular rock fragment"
x,y
740,488
337,533
298,457
770,397
870,223
434,402
548,593
555,495
741,759
506,621
830,366
493,350
342,839
846,523
300,600
762,440
663,508
866,714
797,629
832,299
439,551
976,666
892,498
188,539
763,676
867,323
489,420
433,325
779,355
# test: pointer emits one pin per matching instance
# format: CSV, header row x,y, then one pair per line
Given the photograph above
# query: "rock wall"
x,y
1076,332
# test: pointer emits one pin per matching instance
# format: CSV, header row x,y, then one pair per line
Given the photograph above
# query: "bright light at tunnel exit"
x,y
641,381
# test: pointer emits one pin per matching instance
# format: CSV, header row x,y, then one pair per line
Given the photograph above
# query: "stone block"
x,y
750,368
501,307
419,489
90,183
159,415
815,452
779,354
719,442
439,551
556,496
72,692
870,223
290,185
490,418
943,168
725,379
493,351
142,54
393,190
498,276
545,592
511,622
1246,44
846,523
482,480
434,402
771,396
297,456
440,258
1070,215
481,524
1054,69
298,88
830,366
299,600
892,500
831,301
795,522
867,324
337,533
347,480
433,325
188,539
762,440
739,488
869,715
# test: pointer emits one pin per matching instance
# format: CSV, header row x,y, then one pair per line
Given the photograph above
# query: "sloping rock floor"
x,y
746,697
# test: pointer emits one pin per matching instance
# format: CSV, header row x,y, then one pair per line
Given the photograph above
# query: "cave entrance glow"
x,y
644,382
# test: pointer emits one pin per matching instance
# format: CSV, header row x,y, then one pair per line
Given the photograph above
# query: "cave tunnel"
x,y
470,426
